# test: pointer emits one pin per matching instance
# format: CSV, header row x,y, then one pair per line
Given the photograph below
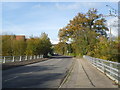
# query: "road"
x,y
46,74
84,75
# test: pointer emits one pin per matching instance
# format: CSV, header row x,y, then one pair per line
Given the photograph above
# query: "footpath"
x,y
84,75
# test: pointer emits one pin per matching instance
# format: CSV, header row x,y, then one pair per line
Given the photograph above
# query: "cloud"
x,y
68,6
54,41
77,5
113,24
31,28
37,6
12,6
12,28
59,0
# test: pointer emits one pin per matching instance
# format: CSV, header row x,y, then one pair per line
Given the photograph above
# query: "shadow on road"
x,y
61,57
34,81
40,75
27,69
22,63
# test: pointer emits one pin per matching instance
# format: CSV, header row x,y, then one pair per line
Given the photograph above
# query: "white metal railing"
x,y
7,59
110,68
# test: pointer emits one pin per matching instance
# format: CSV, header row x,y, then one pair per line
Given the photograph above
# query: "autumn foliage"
x,y
86,34
32,46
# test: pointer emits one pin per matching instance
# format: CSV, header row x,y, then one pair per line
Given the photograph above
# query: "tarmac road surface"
x,y
46,74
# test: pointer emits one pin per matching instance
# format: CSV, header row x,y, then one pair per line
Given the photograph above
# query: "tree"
x,y
83,31
32,46
61,48
19,47
44,45
7,49
39,45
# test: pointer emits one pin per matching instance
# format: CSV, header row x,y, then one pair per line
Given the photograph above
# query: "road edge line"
x,y
68,72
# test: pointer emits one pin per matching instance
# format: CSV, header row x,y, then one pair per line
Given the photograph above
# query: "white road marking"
x,y
11,78
27,73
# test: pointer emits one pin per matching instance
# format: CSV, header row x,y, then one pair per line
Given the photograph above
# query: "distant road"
x,y
46,74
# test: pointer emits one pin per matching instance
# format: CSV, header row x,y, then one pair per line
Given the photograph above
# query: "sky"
x,y
33,18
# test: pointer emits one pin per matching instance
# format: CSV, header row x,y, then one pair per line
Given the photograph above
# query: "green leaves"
x,y
61,48
31,46
41,45
87,35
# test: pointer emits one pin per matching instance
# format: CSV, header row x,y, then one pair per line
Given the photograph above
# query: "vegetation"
x,y
86,34
31,46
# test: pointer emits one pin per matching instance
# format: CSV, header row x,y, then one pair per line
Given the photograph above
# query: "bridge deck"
x,y
84,75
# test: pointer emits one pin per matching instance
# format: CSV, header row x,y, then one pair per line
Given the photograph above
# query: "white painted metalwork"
x,y
7,59
110,68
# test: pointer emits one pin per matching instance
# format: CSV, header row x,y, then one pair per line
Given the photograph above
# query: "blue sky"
x,y
32,18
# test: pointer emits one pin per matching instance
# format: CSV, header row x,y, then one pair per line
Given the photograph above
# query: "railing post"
x,y
34,56
111,65
20,58
103,66
92,61
26,58
96,62
4,60
13,59
30,57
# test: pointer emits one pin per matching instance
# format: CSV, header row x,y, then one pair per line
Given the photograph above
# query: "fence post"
x,y
26,58
92,61
13,59
95,61
102,62
30,57
20,58
111,65
4,60
34,56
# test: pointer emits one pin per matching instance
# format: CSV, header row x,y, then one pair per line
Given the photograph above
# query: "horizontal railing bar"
x,y
6,59
108,67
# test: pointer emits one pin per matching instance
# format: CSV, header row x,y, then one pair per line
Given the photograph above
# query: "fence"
x,y
111,69
7,59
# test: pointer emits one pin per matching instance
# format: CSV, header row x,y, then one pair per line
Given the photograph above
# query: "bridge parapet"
x,y
7,59
110,68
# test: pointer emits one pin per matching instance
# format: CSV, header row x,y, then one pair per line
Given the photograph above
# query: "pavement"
x,y
84,75
46,74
